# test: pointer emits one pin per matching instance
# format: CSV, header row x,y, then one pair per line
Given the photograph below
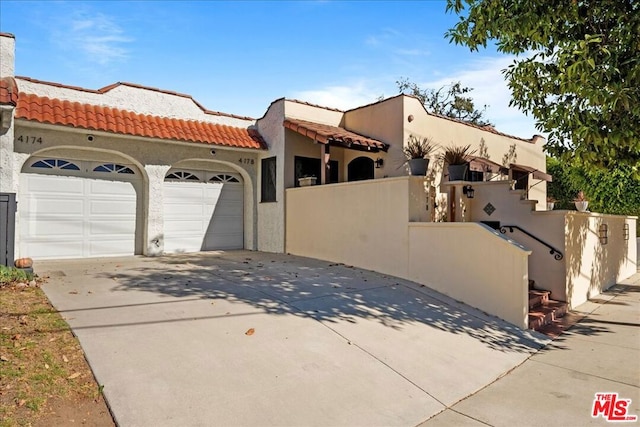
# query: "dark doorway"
x,y
308,166
360,168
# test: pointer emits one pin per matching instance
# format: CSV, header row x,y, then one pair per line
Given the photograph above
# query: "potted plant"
x,y
306,181
417,152
457,160
581,202
551,202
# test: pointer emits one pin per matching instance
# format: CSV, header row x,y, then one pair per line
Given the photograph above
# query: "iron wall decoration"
x,y
489,209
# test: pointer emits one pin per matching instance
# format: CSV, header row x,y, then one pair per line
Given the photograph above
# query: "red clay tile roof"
x,y
95,117
8,91
326,134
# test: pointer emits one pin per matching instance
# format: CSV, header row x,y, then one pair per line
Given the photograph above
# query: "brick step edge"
x,y
537,298
546,314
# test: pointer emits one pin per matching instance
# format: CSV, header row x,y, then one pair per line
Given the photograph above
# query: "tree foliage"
x,y
613,191
577,70
450,101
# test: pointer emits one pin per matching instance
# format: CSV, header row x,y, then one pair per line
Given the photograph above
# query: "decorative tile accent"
x,y
489,209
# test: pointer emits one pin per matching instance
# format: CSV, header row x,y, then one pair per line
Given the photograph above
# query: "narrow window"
x,y
268,180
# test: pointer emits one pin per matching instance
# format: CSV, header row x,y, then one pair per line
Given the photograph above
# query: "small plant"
x,y
457,155
417,148
11,274
551,199
580,197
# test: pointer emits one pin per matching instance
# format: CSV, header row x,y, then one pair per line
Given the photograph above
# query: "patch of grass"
x,y
12,274
40,359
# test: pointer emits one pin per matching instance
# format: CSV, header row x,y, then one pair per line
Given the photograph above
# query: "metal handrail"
x,y
553,251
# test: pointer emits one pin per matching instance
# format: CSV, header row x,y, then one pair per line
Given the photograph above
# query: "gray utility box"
x,y
8,210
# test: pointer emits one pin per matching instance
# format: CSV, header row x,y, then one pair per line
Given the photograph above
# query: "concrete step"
x,y
546,314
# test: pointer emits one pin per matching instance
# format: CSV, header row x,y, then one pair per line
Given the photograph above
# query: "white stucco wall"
x,y
136,99
271,219
7,55
7,69
593,265
379,225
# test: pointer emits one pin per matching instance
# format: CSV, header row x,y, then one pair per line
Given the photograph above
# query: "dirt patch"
x,y
44,377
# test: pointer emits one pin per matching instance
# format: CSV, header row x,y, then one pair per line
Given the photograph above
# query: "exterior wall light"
x,y
603,234
379,163
468,191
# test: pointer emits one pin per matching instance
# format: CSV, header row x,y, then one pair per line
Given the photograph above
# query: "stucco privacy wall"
x,y
594,264
588,266
152,158
474,264
379,225
548,226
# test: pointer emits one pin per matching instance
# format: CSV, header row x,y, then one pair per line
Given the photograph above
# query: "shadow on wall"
x,y
319,290
591,265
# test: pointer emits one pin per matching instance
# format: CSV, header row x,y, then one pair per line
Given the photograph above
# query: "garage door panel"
x,y
203,216
76,217
183,226
47,206
39,249
41,228
112,207
113,228
45,184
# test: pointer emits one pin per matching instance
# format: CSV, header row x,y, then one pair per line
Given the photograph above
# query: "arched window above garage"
x,y
224,178
181,176
113,168
55,164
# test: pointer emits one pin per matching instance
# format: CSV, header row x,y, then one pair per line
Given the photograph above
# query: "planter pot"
x,y
581,206
458,172
418,167
550,206
307,181
23,263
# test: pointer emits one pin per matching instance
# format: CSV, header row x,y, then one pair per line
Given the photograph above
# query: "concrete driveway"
x,y
254,339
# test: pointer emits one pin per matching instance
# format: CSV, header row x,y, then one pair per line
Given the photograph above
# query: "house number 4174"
x,y
28,139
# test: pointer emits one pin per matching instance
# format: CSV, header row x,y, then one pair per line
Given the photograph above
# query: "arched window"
x,y
224,178
181,176
55,164
113,168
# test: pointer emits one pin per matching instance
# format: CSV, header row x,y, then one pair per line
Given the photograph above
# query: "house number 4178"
x,y
246,161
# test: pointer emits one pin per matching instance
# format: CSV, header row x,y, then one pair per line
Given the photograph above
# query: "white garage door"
x,y
203,211
75,217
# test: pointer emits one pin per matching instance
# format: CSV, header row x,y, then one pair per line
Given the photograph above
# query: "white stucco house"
x,y
128,169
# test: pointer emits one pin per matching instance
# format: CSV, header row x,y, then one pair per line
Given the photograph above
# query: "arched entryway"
x,y
360,168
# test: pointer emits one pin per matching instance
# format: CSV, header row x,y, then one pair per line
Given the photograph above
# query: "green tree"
x,y
577,70
612,191
450,101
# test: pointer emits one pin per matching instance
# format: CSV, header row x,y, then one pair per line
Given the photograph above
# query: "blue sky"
x,y
238,57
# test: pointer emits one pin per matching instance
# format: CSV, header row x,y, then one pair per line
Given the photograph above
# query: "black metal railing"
x,y
553,251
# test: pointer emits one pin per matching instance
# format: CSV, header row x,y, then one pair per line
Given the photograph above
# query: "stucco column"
x,y
6,162
153,201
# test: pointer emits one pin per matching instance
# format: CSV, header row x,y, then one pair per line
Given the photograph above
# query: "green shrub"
x,y
12,274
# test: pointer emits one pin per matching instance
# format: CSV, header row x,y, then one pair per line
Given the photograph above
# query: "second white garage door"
x,y
203,211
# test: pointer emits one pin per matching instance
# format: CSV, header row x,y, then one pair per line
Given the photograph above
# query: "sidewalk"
x,y
557,385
